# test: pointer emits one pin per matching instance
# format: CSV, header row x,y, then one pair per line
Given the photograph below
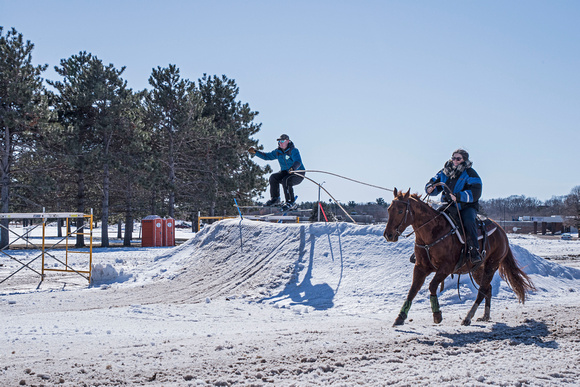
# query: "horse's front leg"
x,y
419,275
437,279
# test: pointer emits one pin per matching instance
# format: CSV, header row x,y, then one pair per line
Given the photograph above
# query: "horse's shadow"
x,y
318,296
532,332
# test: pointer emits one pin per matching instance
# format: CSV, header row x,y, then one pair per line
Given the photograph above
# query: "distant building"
x,y
535,224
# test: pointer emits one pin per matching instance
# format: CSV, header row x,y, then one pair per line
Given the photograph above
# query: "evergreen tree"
x,y
228,169
174,116
130,182
94,107
23,111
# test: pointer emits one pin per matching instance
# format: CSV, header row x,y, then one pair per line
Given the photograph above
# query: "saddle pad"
x,y
489,226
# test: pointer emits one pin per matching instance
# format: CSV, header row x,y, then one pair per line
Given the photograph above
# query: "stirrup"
x,y
475,258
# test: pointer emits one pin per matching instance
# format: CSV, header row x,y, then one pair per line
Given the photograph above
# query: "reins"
x,y
445,186
426,247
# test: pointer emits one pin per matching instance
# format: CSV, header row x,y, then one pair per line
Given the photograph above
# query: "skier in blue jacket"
x,y
465,186
289,159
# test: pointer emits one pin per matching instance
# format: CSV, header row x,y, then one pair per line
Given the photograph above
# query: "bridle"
x,y
426,247
407,212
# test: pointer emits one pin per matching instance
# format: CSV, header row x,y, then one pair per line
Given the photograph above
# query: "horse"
x,y
438,249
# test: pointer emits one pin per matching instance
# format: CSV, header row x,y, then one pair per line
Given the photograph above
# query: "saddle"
x,y
485,227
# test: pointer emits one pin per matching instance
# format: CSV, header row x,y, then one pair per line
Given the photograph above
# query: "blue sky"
x,y
378,91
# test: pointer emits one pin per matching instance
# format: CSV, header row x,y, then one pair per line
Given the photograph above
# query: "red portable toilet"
x,y
168,232
151,231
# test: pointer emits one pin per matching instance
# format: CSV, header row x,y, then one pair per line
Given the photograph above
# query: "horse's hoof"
x,y
483,319
466,322
437,317
399,321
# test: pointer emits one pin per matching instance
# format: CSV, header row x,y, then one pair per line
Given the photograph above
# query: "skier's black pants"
x,y
288,180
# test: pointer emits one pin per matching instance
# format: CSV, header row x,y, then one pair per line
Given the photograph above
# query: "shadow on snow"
x,y
319,296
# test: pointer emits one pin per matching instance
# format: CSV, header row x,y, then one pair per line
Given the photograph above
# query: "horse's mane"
x,y
403,196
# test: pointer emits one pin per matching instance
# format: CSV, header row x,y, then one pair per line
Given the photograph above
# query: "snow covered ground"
x,y
254,303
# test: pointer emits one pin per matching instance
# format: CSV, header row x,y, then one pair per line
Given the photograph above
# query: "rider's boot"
x,y
474,255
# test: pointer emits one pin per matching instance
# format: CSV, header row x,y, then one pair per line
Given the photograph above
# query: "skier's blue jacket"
x,y
288,158
466,188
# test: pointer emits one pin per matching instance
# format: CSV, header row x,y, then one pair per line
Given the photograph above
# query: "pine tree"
x,y
229,171
133,162
173,114
23,111
95,108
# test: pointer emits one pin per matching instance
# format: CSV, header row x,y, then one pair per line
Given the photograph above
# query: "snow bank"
x,y
319,266
251,303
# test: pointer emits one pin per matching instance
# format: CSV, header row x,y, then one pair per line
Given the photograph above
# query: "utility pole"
x,y
319,186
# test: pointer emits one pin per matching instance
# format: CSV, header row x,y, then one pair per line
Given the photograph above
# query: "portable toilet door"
x,y
168,232
151,231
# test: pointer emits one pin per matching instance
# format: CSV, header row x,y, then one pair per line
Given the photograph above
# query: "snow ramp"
x,y
315,265
308,264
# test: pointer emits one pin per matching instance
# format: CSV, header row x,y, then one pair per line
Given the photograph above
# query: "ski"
x,y
280,206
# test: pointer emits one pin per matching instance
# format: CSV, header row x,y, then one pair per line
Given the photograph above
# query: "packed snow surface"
x,y
254,303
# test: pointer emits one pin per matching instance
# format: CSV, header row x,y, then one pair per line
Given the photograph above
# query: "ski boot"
x,y
289,206
273,202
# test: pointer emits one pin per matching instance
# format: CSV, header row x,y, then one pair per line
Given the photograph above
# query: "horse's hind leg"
x,y
483,292
487,310
467,319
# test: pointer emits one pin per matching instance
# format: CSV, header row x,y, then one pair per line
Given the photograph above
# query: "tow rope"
x,y
324,189
344,177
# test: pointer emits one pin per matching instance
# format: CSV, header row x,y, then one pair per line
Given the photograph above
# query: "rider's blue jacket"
x,y
288,158
466,188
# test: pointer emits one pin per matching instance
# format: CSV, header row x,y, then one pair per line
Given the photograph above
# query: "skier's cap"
x,y
283,137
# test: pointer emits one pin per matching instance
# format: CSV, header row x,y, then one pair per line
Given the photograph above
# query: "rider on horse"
x,y
464,188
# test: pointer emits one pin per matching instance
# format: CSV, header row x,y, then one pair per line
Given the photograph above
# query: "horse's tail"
x,y
515,277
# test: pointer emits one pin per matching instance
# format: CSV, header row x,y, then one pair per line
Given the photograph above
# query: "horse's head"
x,y
399,216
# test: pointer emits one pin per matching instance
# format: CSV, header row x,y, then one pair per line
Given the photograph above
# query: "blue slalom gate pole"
x,y
238,207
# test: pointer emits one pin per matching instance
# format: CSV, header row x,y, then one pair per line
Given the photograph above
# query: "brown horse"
x,y
438,249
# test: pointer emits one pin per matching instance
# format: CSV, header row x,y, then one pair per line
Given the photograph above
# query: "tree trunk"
x,y
128,216
152,207
105,216
5,190
119,229
80,205
128,229
171,209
